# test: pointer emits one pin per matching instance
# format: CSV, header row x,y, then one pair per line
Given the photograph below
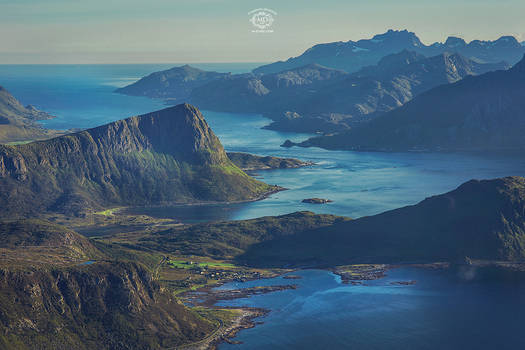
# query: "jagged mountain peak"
x,y
185,68
180,131
392,34
507,41
351,56
454,42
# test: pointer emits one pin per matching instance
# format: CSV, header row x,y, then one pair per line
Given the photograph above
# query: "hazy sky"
x,y
176,31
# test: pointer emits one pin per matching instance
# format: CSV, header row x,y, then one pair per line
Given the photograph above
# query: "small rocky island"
x,y
316,200
288,144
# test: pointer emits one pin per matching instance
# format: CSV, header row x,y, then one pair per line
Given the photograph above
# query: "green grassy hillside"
x,y
165,156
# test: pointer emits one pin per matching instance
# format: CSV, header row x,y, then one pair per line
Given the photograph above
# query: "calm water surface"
x,y
444,310
359,183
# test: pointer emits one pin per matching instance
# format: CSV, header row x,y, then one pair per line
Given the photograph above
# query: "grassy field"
x,y
108,212
188,264
15,143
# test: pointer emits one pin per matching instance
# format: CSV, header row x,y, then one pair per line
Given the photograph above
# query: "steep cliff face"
x,y
166,156
98,306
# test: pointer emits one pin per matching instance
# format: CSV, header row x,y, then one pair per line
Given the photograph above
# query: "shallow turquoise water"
x,y
444,310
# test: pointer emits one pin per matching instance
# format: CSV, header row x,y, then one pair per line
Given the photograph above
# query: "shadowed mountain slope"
x,y
485,112
480,220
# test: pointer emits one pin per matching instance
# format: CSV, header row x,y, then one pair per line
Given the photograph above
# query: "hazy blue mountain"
x,y
351,55
262,93
315,98
506,48
485,112
175,83
378,89
354,55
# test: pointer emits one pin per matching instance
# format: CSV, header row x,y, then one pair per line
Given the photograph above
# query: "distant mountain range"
x,y
315,98
479,220
166,156
486,112
173,84
351,56
18,123
334,86
265,93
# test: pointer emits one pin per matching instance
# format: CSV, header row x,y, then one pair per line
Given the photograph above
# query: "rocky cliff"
x,y
58,290
166,156
105,305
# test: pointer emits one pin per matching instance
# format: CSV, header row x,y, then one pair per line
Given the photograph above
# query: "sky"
x,y
194,31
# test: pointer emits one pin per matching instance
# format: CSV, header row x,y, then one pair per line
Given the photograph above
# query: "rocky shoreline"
x,y
208,297
356,274
251,162
275,189
225,333
316,200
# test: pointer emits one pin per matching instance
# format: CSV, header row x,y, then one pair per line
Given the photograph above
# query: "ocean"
x,y
443,310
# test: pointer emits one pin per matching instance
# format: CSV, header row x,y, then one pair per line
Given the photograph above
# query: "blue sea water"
x,y
444,310
456,309
81,96
359,183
